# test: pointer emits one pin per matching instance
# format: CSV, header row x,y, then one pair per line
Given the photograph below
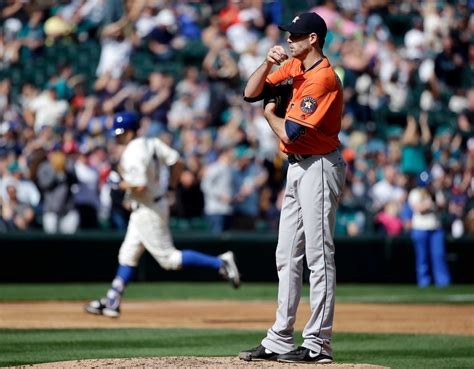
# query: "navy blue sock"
x,y
193,258
126,273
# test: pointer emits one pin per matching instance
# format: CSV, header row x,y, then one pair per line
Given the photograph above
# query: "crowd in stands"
x,y
66,67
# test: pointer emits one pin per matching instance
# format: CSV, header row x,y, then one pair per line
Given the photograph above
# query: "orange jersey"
x,y
317,104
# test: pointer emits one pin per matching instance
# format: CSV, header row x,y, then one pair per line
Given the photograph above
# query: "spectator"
x,y
89,16
189,197
249,61
46,110
86,190
229,14
9,42
428,236
192,83
390,220
182,112
116,48
415,140
222,71
16,215
415,40
243,33
55,178
160,39
216,185
387,190
248,178
147,20
188,19
449,64
31,36
91,124
25,190
156,102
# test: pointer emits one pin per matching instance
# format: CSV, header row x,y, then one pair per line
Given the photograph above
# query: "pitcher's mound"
x,y
189,361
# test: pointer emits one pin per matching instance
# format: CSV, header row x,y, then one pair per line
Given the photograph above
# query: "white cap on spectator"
x,y
165,18
11,27
248,15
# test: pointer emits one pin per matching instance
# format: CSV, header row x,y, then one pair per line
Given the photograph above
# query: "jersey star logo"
x,y
308,105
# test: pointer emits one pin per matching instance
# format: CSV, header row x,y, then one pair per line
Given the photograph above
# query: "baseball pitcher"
x,y
308,134
144,176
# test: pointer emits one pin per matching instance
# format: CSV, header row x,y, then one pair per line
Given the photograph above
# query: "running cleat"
x,y
96,307
229,269
99,307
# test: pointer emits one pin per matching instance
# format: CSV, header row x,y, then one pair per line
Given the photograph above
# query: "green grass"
x,y
458,294
20,347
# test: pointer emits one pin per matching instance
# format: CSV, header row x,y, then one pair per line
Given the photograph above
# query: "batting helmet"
x,y
124,121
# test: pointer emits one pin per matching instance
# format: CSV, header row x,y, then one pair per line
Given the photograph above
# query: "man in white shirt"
x,y
386,190
116,49
46,110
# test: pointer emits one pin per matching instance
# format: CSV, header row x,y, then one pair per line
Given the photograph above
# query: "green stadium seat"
x,y
199,224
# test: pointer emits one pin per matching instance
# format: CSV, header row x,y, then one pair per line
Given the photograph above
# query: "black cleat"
x,y
258,353
304,355
96,307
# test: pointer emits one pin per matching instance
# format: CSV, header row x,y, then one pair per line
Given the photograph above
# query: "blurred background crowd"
x,y
67,66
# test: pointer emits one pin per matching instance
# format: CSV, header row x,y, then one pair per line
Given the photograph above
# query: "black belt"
x,y
296,158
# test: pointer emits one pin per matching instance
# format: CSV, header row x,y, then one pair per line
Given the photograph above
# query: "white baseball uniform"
x,y
145,162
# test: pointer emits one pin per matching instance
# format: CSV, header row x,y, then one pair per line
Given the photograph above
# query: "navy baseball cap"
x,y
307,23
423,179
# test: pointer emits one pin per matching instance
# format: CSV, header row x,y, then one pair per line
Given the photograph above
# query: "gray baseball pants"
x,y
307,222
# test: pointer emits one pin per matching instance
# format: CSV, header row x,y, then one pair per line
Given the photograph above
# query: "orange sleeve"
x,y
280,74
312,105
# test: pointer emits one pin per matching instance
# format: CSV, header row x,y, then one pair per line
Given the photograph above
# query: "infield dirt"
x,y
368,318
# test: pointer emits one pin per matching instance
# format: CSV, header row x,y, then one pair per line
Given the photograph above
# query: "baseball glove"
x,y
279,94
